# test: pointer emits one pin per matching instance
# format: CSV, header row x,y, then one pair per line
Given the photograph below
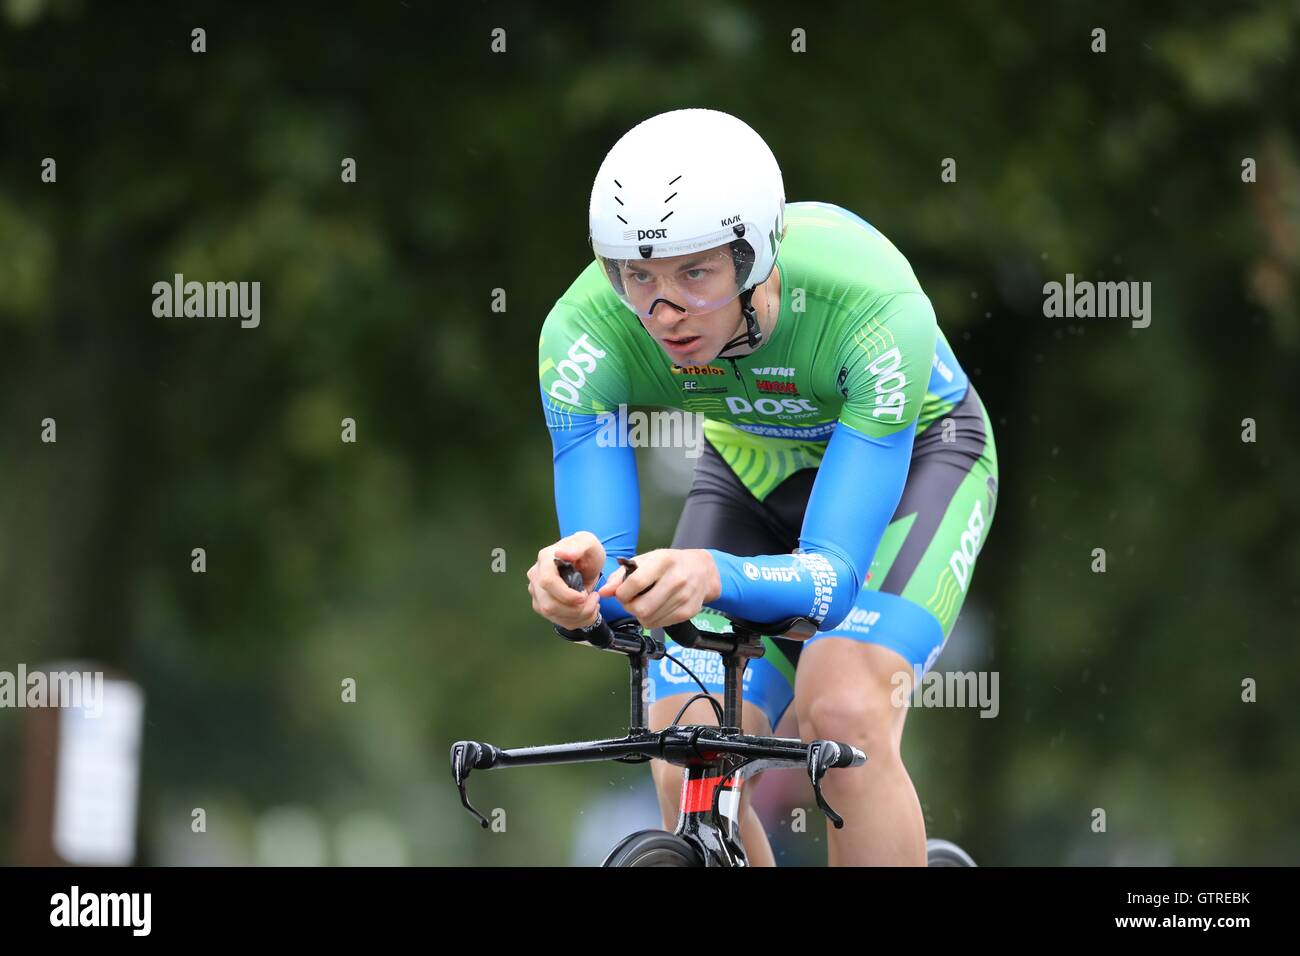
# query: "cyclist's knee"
x,y
867,719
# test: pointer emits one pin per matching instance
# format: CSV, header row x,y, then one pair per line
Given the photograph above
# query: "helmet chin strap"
x,y
753,335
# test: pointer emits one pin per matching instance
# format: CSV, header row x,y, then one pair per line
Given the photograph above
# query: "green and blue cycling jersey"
x,y
854,368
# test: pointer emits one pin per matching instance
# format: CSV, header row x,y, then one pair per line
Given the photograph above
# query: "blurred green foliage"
x,y
373,560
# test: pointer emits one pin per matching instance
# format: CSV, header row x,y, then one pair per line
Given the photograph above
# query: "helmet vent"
x,y
619,202
672,197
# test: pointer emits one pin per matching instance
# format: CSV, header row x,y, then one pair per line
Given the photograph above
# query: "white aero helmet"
x,y
698,187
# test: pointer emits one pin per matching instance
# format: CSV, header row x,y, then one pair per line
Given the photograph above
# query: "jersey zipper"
x,y
743,384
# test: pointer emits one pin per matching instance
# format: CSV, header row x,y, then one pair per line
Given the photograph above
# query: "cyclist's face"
x,y
663,287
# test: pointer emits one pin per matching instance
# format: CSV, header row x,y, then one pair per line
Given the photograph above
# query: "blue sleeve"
x,y
856,491
596,490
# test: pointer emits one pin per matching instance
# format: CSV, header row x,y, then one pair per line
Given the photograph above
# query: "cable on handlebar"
x,y
717,708
697,681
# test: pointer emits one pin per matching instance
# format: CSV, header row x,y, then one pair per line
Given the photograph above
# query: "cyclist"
x,y
849,474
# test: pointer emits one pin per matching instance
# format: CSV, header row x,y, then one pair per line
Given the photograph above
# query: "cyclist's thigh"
x,y
923,567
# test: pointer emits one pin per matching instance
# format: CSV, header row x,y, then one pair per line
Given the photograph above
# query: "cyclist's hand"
x,y
555,600
669,586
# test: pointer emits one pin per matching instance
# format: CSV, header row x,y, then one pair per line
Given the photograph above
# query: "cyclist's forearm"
x,y
772,587
596,490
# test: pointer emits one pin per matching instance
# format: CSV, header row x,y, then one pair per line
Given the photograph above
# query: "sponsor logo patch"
x,y
797,407
961,560
573,371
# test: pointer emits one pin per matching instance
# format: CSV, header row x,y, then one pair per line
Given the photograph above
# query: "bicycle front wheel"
x,y
946,853
654,848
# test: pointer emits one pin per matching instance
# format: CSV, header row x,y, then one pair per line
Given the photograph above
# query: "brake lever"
x,y
822,754
465,756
